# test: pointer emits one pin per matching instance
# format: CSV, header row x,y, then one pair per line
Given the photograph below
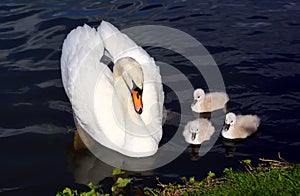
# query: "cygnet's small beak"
x,y
226,127
137,100
195,101
193,136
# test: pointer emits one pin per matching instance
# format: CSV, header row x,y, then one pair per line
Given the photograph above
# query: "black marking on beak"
x,y
136,88
140,91
140,111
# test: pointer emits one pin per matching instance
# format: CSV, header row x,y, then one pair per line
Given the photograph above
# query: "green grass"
x,y
276,178
270,177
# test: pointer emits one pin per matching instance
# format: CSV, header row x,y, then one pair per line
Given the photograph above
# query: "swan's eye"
x,y
198,96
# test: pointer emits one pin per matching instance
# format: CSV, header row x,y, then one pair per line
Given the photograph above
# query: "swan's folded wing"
x,y
82,47
115,42
120,45
81,68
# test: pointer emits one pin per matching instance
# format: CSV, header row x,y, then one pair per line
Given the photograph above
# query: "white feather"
x,y
90,87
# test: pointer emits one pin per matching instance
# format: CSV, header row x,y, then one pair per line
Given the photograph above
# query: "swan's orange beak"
x,y
137,101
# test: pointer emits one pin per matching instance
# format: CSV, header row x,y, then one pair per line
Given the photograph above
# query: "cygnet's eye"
x,y
198,96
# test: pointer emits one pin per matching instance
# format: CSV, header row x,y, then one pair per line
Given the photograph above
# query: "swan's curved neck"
x,y
122,91
127,75
125,115
131,72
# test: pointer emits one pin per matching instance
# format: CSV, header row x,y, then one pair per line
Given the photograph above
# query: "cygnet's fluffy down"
x,y
208,102
239,126
198,131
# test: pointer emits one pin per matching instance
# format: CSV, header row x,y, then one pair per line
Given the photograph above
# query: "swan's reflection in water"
x,y
95,162
86,167
171,146
92,162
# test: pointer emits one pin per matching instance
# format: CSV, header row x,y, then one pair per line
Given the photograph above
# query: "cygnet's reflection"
x,y
231,145
230,148
194,152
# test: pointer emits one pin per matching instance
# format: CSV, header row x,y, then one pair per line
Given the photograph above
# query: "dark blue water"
x,y
256,45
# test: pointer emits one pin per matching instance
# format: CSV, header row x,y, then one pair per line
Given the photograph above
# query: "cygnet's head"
x,y
230,120
194,129
198,95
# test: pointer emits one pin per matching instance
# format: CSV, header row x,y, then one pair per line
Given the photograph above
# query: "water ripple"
x,y
38,129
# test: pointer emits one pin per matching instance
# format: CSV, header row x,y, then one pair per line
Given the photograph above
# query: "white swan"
x,y
120,110
198,131
240,126
208,102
